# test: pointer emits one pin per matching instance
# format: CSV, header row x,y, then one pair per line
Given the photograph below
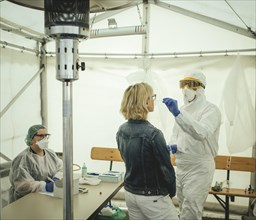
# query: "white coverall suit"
x,y
196,134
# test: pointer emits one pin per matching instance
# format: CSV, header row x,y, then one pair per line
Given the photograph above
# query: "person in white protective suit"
x,y
36,168
195,140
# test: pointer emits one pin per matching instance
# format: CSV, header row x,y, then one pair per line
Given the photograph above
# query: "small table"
x,y
85,206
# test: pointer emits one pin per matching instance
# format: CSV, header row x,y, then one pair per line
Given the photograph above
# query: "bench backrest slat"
x,y
222,162
235,163
105,153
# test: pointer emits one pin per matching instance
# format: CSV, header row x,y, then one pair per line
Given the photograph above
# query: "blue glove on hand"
x,y
55,178
172,105
49,184
174,148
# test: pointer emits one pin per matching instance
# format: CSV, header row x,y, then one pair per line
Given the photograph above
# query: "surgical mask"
x,y
42,144
189,94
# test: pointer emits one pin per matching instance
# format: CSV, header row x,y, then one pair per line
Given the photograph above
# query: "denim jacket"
x,y
148,168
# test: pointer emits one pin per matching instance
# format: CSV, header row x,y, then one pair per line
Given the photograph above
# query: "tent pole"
x,y
43,85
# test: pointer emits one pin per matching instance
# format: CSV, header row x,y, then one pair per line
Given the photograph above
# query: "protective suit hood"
x,y
196,74
199,93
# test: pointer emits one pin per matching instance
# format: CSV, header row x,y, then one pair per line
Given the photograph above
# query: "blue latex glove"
x,y
49,184
174,148
172,105
55,178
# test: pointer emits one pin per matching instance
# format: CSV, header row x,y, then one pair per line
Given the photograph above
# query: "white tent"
x,y
154,41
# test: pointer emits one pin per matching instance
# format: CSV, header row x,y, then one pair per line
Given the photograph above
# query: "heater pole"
x,y
68,150
67,21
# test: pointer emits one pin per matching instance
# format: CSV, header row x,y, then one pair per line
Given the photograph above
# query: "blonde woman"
x,y
150,178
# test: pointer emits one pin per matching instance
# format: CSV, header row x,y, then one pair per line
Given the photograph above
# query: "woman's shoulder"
x,y
153,130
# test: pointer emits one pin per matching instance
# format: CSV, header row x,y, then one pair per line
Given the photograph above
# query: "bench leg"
x,y
224,204
227,208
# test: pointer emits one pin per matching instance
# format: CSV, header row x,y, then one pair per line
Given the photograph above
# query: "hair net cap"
x,y
197,74
31,133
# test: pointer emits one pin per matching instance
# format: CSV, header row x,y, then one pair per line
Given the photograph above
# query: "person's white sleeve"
x,y
200,129
24,183
59,171
174,135
43,184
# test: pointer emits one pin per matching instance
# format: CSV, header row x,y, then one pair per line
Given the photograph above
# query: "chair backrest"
x,y
106,153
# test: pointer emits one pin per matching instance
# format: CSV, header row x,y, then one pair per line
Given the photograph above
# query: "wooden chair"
x,y
107,154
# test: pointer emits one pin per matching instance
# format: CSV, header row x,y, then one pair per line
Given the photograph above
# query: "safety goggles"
x,y
191,83
43,135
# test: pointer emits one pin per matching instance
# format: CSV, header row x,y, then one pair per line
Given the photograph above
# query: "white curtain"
x,y
98,92
238,111
97,96
17,69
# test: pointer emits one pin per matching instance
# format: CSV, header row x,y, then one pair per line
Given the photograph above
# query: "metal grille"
x,y
67,12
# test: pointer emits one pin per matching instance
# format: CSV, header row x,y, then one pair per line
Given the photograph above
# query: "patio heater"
x,y
67,21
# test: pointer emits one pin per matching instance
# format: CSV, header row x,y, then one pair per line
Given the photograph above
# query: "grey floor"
x,y
207,215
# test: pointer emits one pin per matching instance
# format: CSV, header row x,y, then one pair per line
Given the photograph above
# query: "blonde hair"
x,y
134,102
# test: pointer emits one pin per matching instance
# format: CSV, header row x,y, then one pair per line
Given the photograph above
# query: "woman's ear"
x,y
148,100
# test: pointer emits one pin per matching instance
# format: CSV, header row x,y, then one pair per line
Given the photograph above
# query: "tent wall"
x,y
98,93
17,69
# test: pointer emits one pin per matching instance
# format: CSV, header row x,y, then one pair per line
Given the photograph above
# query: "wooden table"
x,y
39,206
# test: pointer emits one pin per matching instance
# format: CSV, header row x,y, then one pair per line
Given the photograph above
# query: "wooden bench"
x,y
232,163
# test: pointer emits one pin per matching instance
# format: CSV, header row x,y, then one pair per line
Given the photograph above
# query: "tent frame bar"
x,y
246,32
23,89
17,27
152,55
21,32
22,49
175,54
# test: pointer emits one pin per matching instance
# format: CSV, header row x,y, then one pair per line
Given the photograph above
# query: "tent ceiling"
x,y
182,26
95,5
238,16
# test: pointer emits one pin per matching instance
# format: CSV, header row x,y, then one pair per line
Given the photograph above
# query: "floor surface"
x,y
207,215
